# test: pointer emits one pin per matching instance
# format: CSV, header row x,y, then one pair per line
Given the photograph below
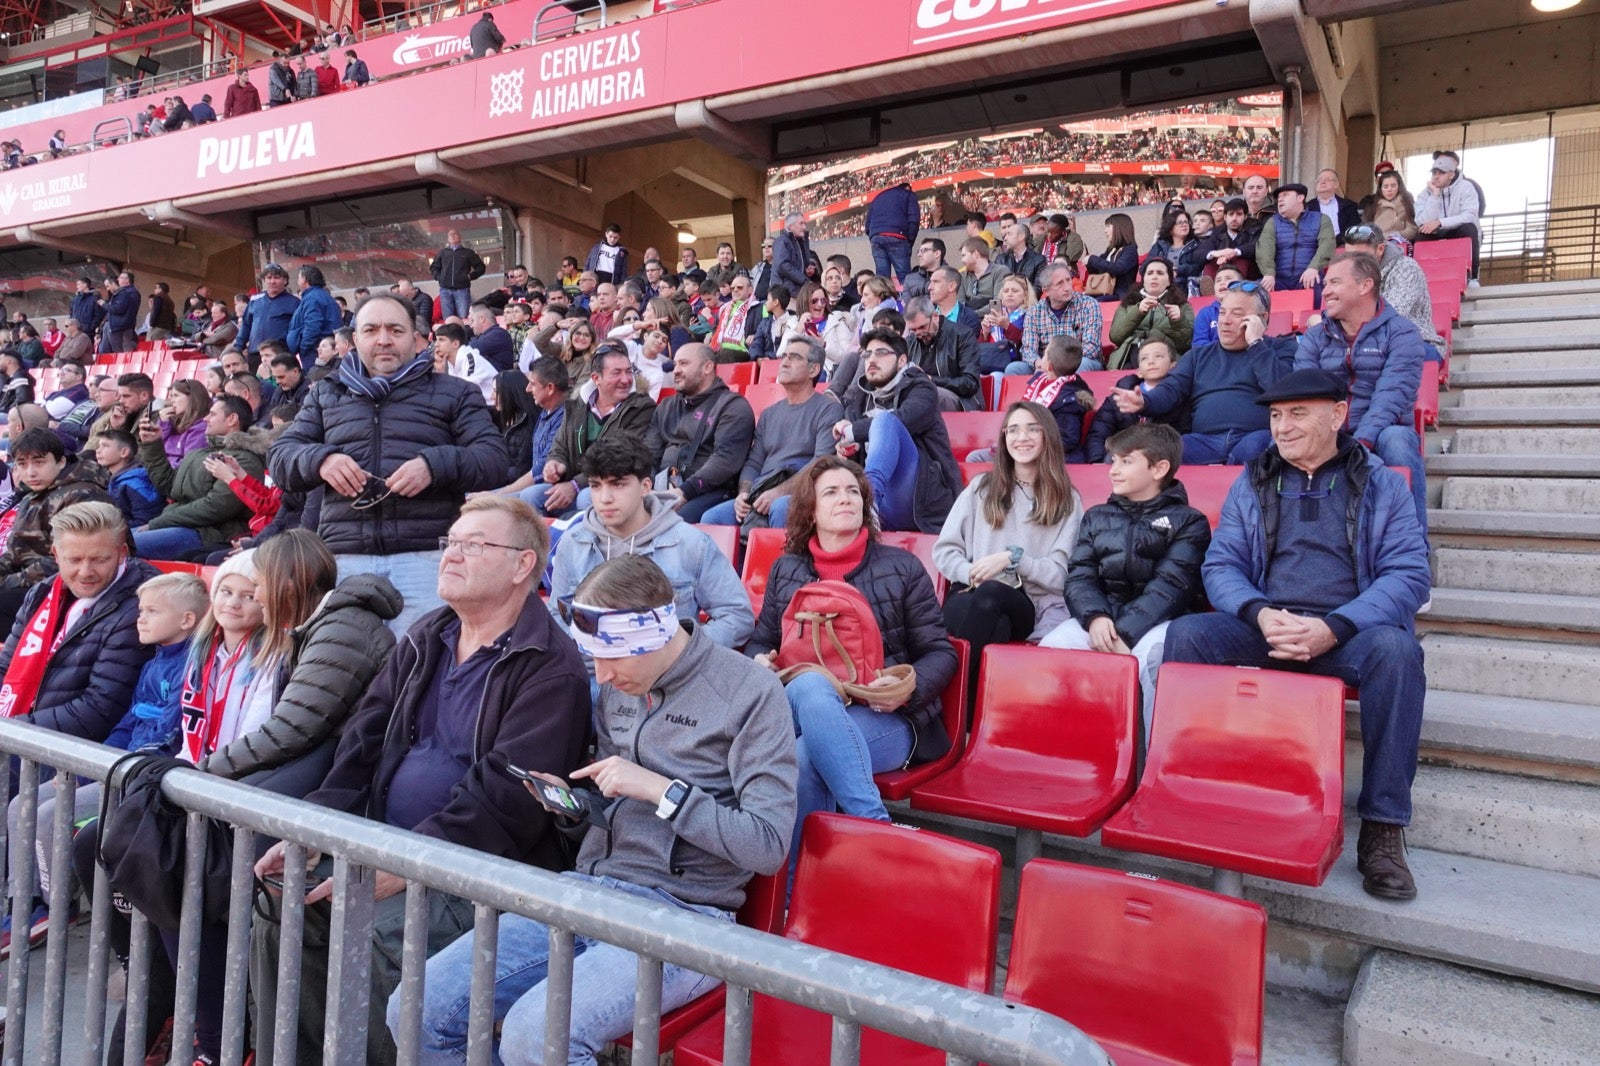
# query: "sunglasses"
x,y
1363,235
374,492
586,620
1245,286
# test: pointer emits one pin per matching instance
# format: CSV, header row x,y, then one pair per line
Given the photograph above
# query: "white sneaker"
x,y
1426,607
1472,283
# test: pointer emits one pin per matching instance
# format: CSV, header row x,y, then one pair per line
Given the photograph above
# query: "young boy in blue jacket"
x,y
129,485
170,607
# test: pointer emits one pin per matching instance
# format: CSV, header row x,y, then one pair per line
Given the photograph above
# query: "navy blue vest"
x,y
1297,242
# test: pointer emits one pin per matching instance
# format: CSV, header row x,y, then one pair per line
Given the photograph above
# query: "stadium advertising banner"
x,y
591,75
938,24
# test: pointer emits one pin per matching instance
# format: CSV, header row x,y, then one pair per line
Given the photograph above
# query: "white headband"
x,y
621,634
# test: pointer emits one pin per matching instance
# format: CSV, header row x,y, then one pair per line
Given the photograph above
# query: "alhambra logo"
x,y
8,198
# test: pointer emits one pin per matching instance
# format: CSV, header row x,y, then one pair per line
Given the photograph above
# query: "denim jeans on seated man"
x,y
1399,446
891,470
722,514
169,544
534,497
1232,448
603,985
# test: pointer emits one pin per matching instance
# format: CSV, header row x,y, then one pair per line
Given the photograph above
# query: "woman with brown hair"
x,y
184,427
1392,209
1157,308
833,536
1008,539
1120,261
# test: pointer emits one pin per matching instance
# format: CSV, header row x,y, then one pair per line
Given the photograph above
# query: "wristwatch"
x,y
672,799
1016,556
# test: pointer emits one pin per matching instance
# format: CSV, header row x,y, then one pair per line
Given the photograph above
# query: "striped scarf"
x,y
353,373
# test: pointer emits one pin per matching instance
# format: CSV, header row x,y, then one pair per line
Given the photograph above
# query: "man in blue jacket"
x,y
122,316
1221,383
1383,365
1319,565
893,219
267,316
86,308
316,316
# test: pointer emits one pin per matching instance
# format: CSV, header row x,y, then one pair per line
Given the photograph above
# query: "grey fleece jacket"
x,y
720,723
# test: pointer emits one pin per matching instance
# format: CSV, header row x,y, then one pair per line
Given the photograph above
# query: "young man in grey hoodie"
x,y
627,518
696,781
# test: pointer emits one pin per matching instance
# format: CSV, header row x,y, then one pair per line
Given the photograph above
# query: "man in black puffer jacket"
x,y
398,448
1136,565
83,685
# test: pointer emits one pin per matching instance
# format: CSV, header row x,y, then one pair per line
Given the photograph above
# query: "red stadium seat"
x,y
971,430
1293,300
1101,382
737,373
1280,323
986,391
1200,302
1053,742
761,550
920,545
666,390
763,395
970,471
1155,972
1245,773
204,573
1207,486
726,538
897,784
1012,386
1456,249
763,910
1427,412
887,894
1445,296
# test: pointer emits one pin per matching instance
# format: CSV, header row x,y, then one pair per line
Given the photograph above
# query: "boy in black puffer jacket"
x,y
1156,360
1136,565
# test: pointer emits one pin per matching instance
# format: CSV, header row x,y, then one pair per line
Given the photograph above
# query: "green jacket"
x,y
1131,327
199,501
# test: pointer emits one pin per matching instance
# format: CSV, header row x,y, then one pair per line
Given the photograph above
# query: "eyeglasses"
x,y
876,353
474,548
1030,429
1363,234
586,620
374,492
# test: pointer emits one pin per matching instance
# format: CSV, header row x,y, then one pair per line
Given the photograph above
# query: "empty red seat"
x,y
1158,974
737,373
920,545
970,471
1245,773
971,430
1293,300
897,784
1280,323
1012,386
761,550
1445,296
1101,382
1053,741
762,395
906,898
1427,411
726,538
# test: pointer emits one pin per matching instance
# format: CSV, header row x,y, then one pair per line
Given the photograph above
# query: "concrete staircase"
x,y
1498,960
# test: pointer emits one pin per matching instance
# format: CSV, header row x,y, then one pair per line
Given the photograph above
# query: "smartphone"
x,y
579,806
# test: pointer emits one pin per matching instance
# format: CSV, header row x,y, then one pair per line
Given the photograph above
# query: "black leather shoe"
x,y
1381,858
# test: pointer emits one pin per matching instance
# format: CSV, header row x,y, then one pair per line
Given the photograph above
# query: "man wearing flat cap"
x,y
1319,565
1295,244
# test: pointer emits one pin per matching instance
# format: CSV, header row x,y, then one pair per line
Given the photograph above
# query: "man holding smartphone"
x,y
1221,382
696,775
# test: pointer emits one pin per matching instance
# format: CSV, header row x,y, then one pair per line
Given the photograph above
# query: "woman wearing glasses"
x,y
833,535
1009,536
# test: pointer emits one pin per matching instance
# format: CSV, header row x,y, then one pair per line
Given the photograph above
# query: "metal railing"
x,y
1541,243
572,18
969,1027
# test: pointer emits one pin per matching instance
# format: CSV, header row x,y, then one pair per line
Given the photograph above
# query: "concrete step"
x,y
1465,362
1497,916
1462,522
1501,733
1301,1029
1549,573
1551,825
1578,397
1491,313
1530,440
1498,666
1541,293
1515,610
1537,374
1526,465
1515,417
1407,1011
1534,339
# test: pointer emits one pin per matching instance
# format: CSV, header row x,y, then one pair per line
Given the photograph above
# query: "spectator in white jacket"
x,y
1449,205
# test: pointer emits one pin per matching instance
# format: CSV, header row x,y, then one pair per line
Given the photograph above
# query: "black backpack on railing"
x,y
143,838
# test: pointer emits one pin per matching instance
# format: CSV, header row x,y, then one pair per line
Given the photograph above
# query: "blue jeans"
x,y
455,302
534,497
722,514
840,746
1385,662
173,542
602,989
415,575
891,252
695,510
1399,446
1232,447
891,469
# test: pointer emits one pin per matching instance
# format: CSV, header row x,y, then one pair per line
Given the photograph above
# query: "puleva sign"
x,y
945,22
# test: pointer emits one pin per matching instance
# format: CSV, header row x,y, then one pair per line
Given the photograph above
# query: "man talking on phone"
x,y
695,777
1221,382
486,681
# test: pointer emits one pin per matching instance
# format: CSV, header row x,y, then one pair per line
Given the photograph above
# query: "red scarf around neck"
x,y
833,566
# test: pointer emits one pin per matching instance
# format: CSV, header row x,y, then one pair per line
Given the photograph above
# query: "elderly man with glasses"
x,y
398,448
